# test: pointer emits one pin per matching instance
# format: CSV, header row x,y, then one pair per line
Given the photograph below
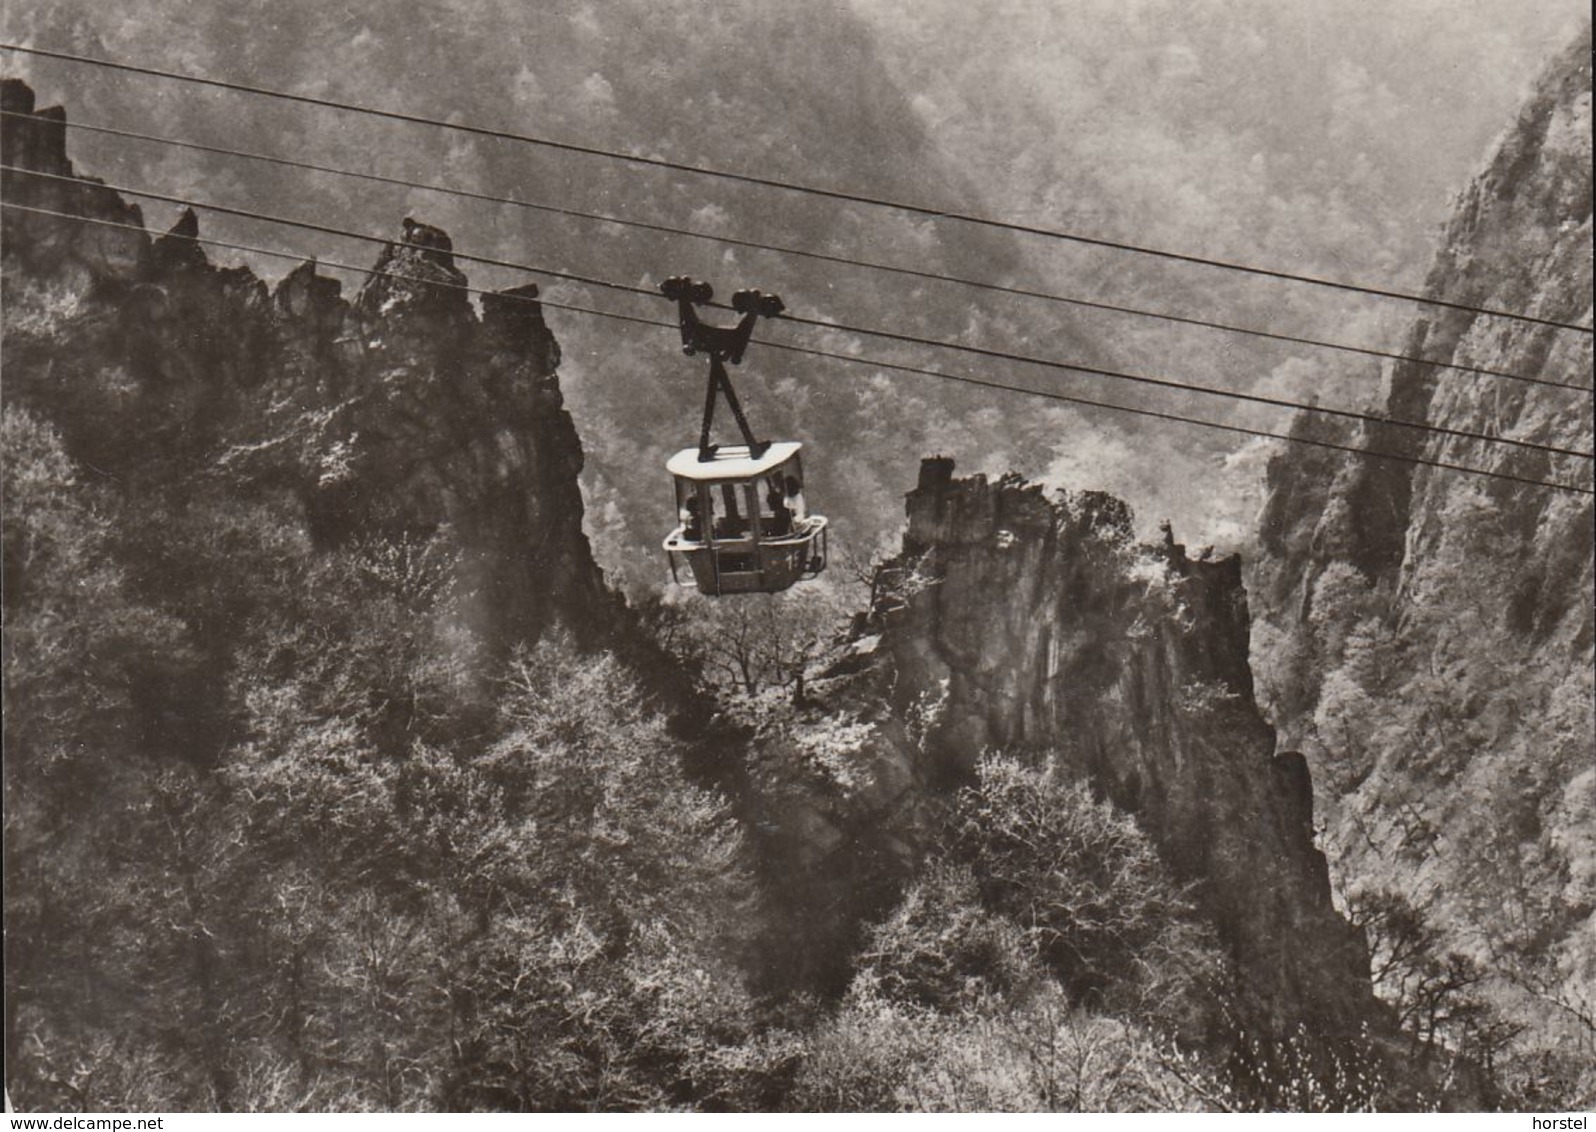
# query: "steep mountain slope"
x,y
1324,138
1427,636
318,750
1041,628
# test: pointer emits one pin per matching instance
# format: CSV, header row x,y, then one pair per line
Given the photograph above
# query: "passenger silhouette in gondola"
x,y
692,521
795,500
776,499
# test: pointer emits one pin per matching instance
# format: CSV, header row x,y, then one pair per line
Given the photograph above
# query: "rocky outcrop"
x,y
57,248
1038,626
1053,632
1426,635
397,414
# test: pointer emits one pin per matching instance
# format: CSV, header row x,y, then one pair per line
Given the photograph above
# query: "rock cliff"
x,y
1039,627
1426,635
394,415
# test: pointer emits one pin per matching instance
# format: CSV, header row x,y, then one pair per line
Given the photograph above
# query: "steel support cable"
x,y
785,186
1163,416
872,363
319,261
889,335
823,257
324,229
1208,390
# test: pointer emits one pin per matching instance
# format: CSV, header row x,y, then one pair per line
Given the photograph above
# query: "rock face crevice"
x,y
397,414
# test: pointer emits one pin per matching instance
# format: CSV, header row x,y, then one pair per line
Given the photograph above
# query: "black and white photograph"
x,y
862,556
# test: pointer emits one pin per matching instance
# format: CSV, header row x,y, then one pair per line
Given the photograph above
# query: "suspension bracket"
x,y
725,346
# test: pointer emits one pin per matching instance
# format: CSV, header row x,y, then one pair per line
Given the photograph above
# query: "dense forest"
x,y
340,776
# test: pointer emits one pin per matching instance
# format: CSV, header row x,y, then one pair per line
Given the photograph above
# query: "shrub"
x,y
1087,888
940,949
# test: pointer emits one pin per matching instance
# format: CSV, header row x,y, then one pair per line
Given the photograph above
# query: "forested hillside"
x,y
335,778
1426,637
300,763
354,760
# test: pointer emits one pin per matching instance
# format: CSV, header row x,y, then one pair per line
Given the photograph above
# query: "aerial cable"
x,y
1050,395
810,190
1186,387
334,265
893,336
848,358
733,241
325,229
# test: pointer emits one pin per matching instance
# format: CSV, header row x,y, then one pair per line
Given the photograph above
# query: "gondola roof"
x,y
731,462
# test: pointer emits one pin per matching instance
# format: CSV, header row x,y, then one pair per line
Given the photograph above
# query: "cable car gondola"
x,y
743,523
